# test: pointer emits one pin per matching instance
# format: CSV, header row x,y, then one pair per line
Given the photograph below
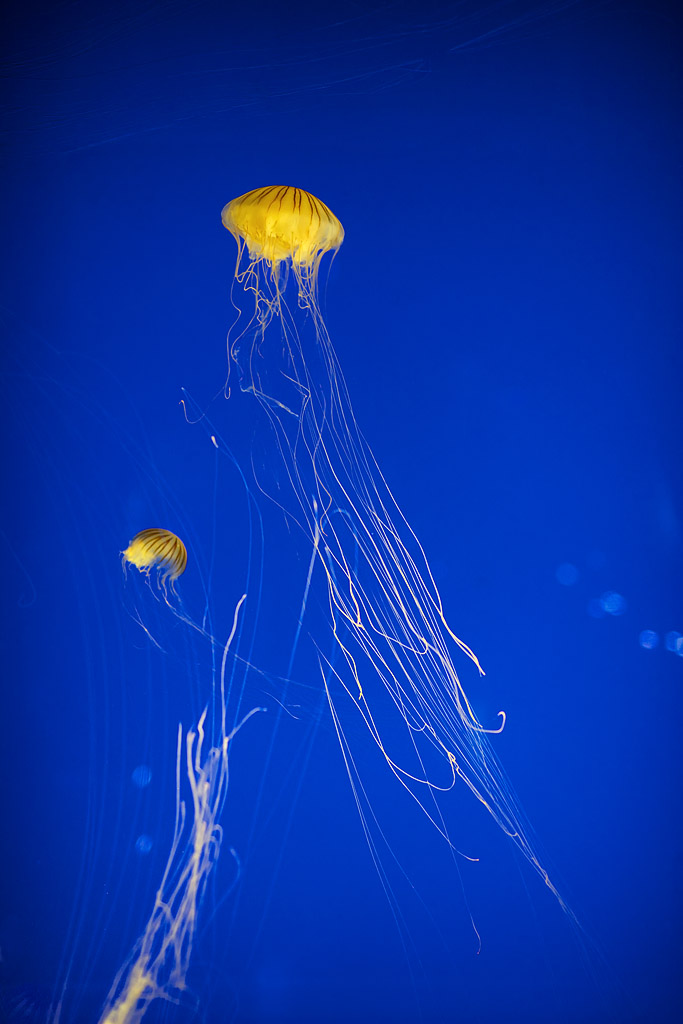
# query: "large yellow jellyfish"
x,y
385,610
283,226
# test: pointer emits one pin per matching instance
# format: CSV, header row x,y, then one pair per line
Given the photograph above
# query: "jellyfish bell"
x,y
283,222
282,225
157,549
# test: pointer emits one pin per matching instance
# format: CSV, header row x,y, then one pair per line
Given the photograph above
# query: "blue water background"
x,y
506,309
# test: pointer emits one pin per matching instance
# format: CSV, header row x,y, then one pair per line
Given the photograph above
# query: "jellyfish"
x,y
284,226
160,550
156,969
396,649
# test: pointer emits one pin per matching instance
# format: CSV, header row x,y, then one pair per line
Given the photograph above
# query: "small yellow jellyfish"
x,y
156,969
160,550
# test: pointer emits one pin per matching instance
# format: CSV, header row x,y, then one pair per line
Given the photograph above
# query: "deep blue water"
x,y
506,310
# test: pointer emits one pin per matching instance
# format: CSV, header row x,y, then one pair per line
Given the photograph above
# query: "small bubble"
x,y
567,574
143,844
595,608
613,603
648,639
673,641
141,776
